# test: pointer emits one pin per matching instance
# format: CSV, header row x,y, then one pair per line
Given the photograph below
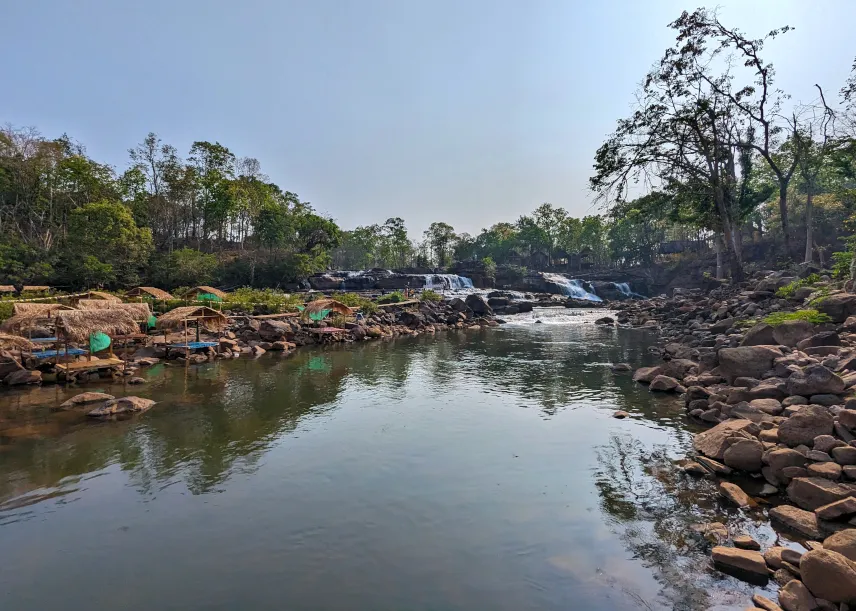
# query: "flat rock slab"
x,y
742,559
88,398
714,442
812,492
798,520
125,405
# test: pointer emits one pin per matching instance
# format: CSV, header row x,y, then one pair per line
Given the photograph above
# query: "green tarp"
x,y
207,297
98,342
152,322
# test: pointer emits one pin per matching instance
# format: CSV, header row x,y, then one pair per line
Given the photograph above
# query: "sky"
x,y
469,112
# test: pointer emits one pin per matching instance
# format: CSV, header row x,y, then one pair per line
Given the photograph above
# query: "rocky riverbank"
x,y
773,371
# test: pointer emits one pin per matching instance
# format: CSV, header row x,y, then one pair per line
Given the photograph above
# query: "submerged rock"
x,y
85,398
124,405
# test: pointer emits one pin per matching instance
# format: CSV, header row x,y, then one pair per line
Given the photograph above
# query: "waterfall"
x,y
624,289
447,281
571,288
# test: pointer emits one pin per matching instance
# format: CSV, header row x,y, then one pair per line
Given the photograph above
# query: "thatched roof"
x,y
7,288
328,304
150,291
101,295
26,315
206,289
209,318
140,311
36,288
78,325
8,342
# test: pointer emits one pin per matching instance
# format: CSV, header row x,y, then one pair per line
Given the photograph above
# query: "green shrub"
x,y
812,316
353,300
273,300
787,291
429,295
6,308
841,264
394,297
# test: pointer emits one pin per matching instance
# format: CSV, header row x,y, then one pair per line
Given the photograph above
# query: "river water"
x,y
466,470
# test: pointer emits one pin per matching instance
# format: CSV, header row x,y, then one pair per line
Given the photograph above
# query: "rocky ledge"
x,y
777,385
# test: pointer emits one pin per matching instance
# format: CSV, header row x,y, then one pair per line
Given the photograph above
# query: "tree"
x,y
183,267
440,238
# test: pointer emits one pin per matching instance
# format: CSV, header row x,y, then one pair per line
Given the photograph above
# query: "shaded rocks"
x,y
125,405
23,377
837,510
751,361
663,383
645,375
759,335
813,492
478,305
620,414
814,380
274,330
838,307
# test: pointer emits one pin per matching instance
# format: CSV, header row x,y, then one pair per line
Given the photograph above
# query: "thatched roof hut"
x,y
9,342
202,290
140,311
142,291
7,288
206,317
320,305
36,288
28,315
100,295
78,325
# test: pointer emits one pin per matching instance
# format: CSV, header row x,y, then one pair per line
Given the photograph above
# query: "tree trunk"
x,y
808,227
717,243
783,212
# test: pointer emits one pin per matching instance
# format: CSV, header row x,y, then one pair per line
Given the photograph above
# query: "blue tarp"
x,y
46,354
194,345
43,340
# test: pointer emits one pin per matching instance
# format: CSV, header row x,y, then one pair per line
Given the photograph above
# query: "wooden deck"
x,y
91,365
400,303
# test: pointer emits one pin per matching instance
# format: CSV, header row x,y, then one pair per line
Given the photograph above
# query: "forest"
x,y
713,158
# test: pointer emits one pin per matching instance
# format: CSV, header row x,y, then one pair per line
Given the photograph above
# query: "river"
x,y
466,470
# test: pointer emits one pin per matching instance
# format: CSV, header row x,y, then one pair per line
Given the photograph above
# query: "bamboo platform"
x,y
92,364
275,316
399,303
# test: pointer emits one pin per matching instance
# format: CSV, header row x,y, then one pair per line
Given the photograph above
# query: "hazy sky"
x,y
465,111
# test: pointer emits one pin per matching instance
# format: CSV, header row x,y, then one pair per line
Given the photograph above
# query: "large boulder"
x,y
759,335
791,332
824,338
679,368
782,458
794,596
22,377
829,575
478,305
85,398
843,542
815,380
713,442
838,307
9,364
665,384
125,405
805,425
744,455
274,330
813,492
645,375
747,361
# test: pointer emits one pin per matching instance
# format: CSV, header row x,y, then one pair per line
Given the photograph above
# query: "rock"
x,y
735,494
621,368
843,542
747,361
759,335
782,458
693,468
805,425
665,384
794,400
794,596
620,414
813,492
147,361
713,443
283,346
136,380
762,602
818,456
22,377
844,455
825,400
791,332
746,542
813,380
121,406
837,509
478,305
847,417
790,473
606,320
713,466
773,557
824,338
838,307
798,520
274,330
85,398
645,375
257,350
712,531
678,368
829,575
826,470
744,560
745,455
783,576
826,443
768,406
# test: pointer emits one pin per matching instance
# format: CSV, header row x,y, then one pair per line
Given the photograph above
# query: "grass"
x,y
812,316
353,300
429,295
787,291
394,297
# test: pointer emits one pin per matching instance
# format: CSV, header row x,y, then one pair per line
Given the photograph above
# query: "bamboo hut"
x,y
28,315
36,288
7,288
12,342
319,305
101,296
149,291
202,292
209,318
140,311
79,325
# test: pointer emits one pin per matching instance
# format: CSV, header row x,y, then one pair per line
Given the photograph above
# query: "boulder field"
x,y
775,380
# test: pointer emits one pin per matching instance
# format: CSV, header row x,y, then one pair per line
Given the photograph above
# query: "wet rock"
x,y
805,425
750,361
794,596
478,305
798,520
712,531
85,398
744,560
837,509
257,350
783,576
122,406
23,377
136,380
645,375
282,346
762,602
678,368
829,575
665,384
813,492
713,466
825,400
147,361
735,494
813,380
746,542
745,455
606,320
713,443
620,414
621,368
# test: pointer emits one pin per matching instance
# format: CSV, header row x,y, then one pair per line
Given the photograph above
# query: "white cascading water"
x,y
624,289
448,281
571,288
